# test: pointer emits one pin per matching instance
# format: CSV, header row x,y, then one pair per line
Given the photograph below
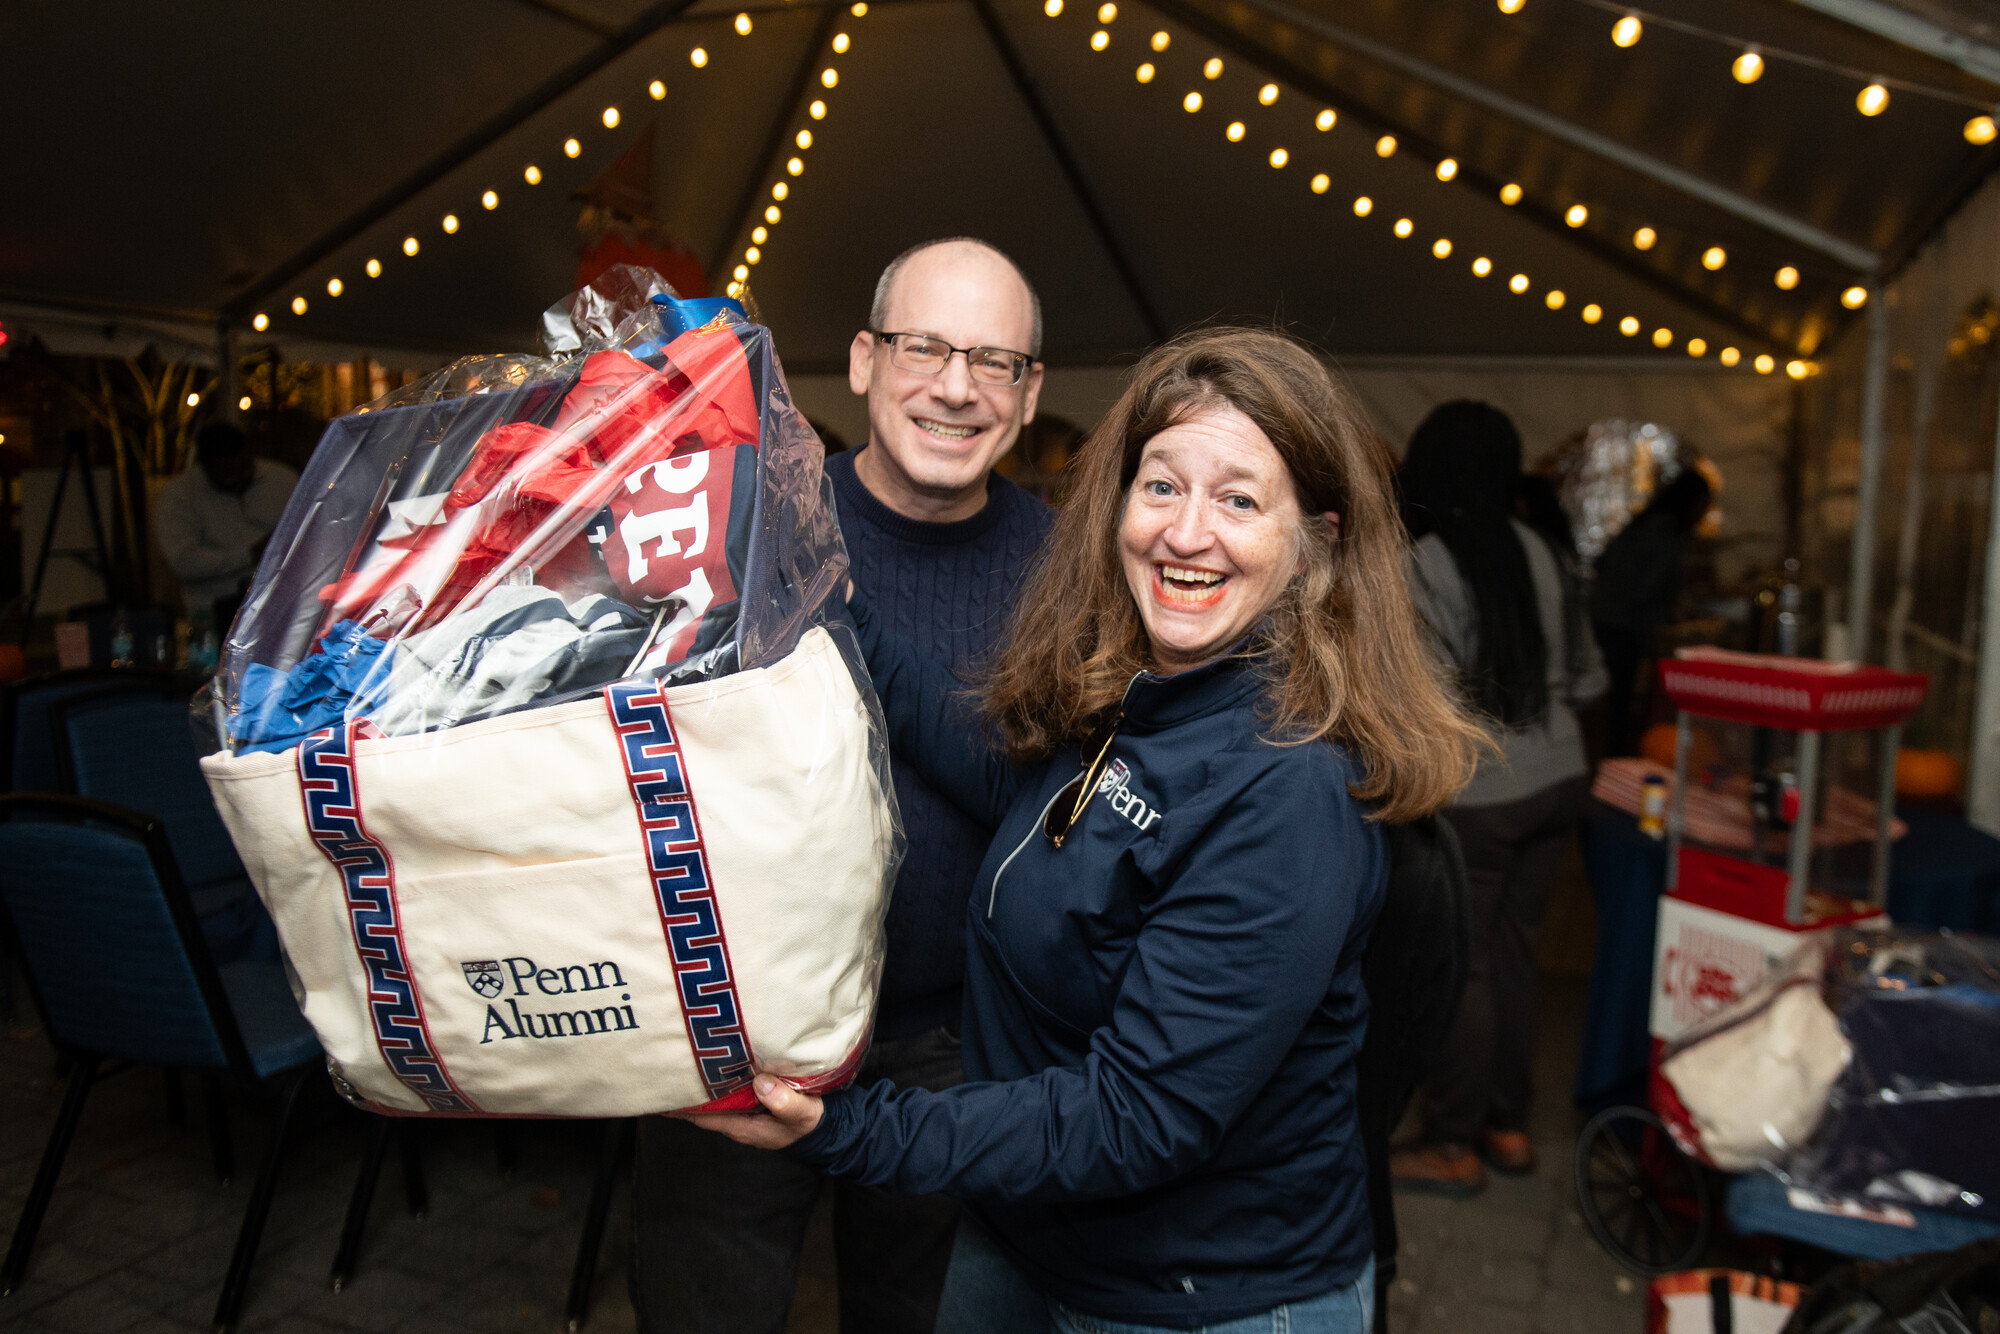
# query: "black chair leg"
x,y
359,1203
82,1072
611,1150
219,1146
230,1305
416,1191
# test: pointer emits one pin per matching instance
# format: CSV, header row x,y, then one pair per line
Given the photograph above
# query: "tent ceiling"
x,y
162,164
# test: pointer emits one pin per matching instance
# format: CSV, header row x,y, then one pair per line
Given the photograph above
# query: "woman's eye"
x,y
1158,488
1243,503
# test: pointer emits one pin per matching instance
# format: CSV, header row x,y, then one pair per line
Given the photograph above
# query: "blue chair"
x,y
115,958
27,744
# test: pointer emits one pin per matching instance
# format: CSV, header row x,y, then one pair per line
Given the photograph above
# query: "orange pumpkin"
x,y
1657,745
1926,773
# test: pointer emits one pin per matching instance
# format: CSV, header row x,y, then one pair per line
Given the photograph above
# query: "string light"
x,y
1592,313
1481,267
194,400
1577,215
1191,103
1786,278
1748,67
1644,238
1798,370
334,287
796,166
698,57
571,148
752,255
1628,326
611,118
1510,194
1322,183
1627,31
656,90
1235,132
742,25
1714,258
1442,247
772,214
1510,6
1162,40
533,175
1385,146
1729,356
1363,206
779,190
1518,284
1053,8
410,246
1854,298
841,42
1697,347
1279,157
1555,298
450,223
490,200
1870,101
1212,68
817,110
1663,337
1447,169
1099,40
1765,363
760,235
1326,120
742,273
828,77
1403,228
1144,74
1268,94
1107,13
260,321
1981,130
804,139
243,404
374,268
298,305
860,8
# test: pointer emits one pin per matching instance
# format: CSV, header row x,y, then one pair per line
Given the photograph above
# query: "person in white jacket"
x,y
213,520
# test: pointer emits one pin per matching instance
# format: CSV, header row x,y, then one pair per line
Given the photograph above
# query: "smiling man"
x,y
939,545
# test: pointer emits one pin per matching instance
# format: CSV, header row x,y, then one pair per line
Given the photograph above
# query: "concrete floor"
x,y
139,1233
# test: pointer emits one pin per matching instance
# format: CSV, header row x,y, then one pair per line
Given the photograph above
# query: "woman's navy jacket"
x,y
1161,1015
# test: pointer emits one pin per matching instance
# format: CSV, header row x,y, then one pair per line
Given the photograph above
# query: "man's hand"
x,y
792,1115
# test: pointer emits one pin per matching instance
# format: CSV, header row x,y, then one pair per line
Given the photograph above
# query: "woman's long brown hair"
x,y
1341,649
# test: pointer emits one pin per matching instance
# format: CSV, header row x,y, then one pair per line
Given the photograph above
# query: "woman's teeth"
x,y
949,432
1185,585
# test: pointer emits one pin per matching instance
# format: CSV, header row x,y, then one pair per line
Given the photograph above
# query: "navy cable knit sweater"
x,y
947,588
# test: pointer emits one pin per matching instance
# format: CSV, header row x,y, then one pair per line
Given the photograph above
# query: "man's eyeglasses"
x,y
922,354
1070,803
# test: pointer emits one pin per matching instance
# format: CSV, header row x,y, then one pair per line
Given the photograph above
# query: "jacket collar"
x,y
1153,702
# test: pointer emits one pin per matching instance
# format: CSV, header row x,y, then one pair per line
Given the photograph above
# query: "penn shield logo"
x,y
483,976
1116,789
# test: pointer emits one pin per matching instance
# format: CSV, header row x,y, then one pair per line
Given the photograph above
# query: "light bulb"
x,y
1798,370
1235,132
1510,194
1714,258
1663,337
1162,40
1510,6
1627,31
1870,101
1577,215
741,272
571,148
1481,267
859,8
796,166
1447,169
1981,130
1518,284
779,190
772,213
490,200
828,77
656,90
1554,299
1322,183
1099,40
1854,298
1404,227
1326,119
410,245
1697,347
1592,313
1644,238
1212,68
1279,157
298,305
752,255
334,287
1192,102
194,400
1729,356
804,139
841,41
243,403
260,321
698,57
533,175
1363,206
1385,146
1053,8
1268,94
1628,326
1107,13
1765,363
1441,247
450,223
742,25
734,289
1786,278
374,268
611,118
1748,67
759,235
1144,74
817,110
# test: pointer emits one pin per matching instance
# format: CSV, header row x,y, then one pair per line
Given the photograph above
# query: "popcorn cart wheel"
x,y
1755,859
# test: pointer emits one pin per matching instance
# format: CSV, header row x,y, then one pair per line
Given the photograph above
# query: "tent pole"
x,y
1983,792
1868,489
1917,475
1079,185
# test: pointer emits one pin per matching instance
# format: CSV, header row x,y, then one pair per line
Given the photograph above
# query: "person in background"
x,y
213,520
1493,594
939,545
1638,580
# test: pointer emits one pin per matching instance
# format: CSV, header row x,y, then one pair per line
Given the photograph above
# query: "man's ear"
x,y
861,362
1031,393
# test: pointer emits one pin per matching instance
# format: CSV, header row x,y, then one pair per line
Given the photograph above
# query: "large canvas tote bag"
x,y
688,891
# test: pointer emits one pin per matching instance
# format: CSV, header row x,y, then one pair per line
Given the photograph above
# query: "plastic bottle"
x,y
121,641
1653,806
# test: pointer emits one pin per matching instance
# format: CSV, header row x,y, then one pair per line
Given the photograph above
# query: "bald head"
x,y
967,261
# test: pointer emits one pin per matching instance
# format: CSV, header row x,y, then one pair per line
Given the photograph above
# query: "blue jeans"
x,y
985,1294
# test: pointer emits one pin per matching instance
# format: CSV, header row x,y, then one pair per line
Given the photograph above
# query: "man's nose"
x,y
954,384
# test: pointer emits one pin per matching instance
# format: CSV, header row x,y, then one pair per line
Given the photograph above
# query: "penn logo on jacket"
x,y
1116,788
492,978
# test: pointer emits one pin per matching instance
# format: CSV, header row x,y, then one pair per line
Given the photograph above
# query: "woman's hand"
x,y
793,1115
